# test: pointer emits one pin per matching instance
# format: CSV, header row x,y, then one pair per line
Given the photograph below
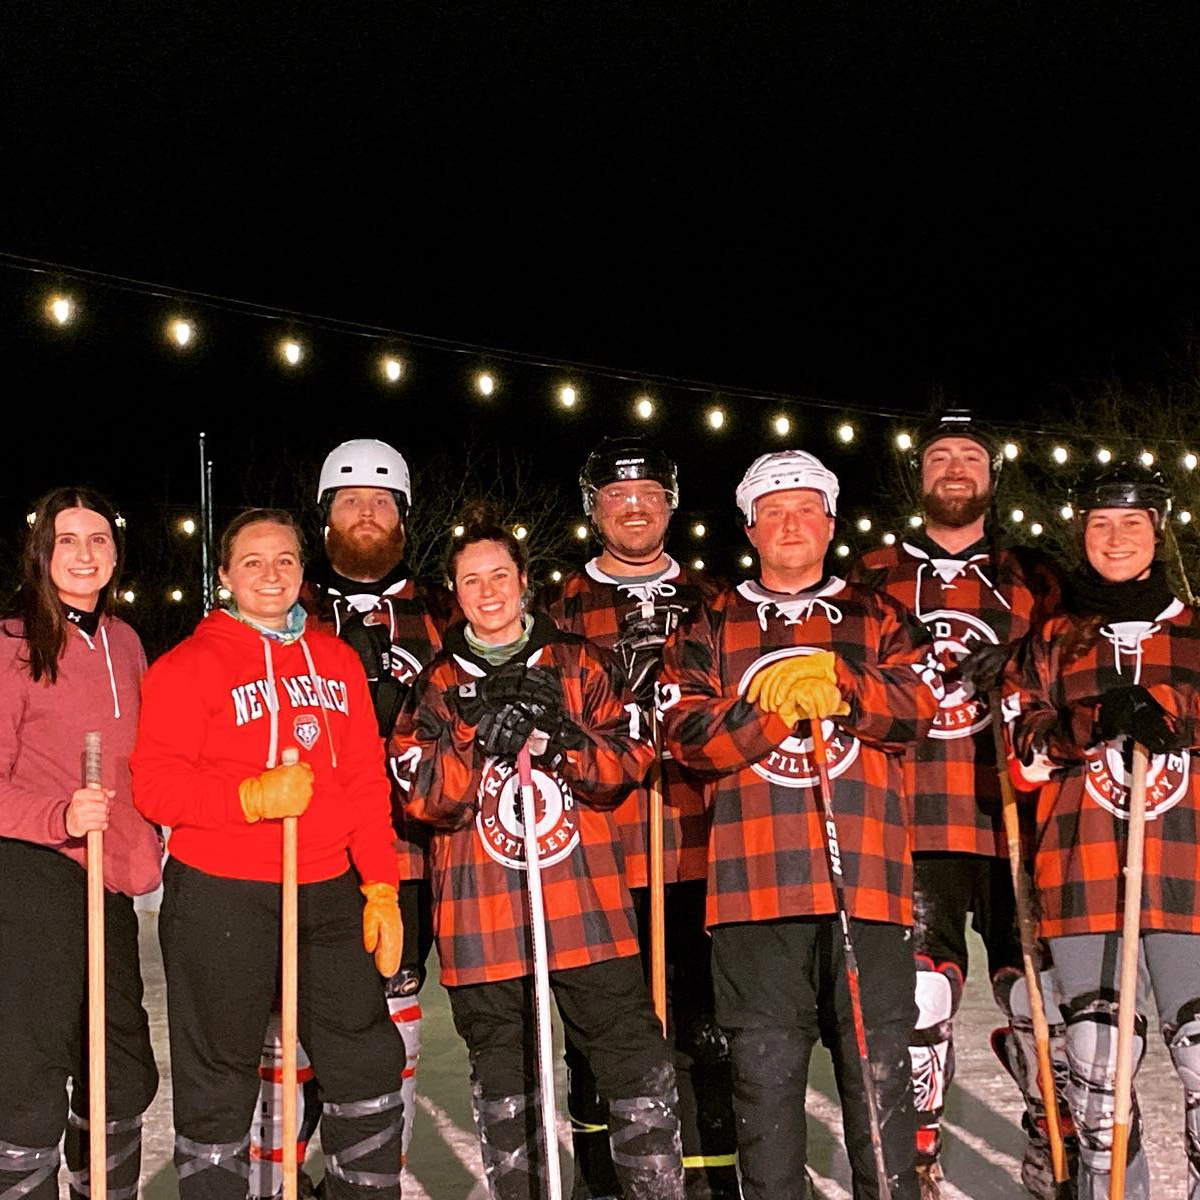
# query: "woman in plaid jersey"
x,y
502,676
741,686
1122,666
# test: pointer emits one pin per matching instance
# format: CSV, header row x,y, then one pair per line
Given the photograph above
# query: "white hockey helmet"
x,y
781,471
365,462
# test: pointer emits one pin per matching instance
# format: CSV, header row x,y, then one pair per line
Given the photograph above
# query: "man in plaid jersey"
x,y
628,600
976,597
740,688
364,594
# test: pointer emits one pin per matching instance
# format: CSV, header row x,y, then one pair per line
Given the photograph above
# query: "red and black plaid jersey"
x,y
966,600
481,915
766,845
405,623
631,619
1053,692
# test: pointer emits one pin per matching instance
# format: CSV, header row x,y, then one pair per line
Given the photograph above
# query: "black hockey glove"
x,y
502,734
537,688
984,667
1134,712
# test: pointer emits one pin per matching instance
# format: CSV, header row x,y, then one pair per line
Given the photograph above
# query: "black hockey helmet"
x,y
621,458
1123,485
957,422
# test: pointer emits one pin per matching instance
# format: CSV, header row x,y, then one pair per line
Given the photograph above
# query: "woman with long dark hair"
x,y
1122,666
68,667
503,676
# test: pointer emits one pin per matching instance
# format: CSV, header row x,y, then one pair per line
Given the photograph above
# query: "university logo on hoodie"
x,y
252,701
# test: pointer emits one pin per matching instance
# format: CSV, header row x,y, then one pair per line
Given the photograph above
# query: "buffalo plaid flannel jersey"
x,y
766,845
416,616
966,601
1083,804
603,609
481,913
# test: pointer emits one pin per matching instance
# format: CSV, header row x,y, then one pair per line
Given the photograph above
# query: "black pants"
x,y
220,943
701,1056
780,988
43,1018
608,1014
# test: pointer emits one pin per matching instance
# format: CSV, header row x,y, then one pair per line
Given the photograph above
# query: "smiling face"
x,y
631,517
264,573
489,587
791,533
1120,542
955,481
84,558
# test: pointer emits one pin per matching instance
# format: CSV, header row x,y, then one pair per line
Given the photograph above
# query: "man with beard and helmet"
x,y
365,595
628,600
977,596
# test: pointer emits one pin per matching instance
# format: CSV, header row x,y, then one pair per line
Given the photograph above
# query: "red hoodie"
x,y
223,706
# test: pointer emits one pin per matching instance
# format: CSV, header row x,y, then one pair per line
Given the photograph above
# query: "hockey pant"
x,y
609,1016
220,943
1088,971
780,989
43,1029
701,1056
404,1008
945,888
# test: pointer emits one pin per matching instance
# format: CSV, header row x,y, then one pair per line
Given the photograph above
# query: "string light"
x,y
644,407
567,396
30,518
904,441
291,351
1189,461
781,425
746,561
1103,455
60,309
889,539
1060,454
864,524
458,530
1066,512
485,383
1018,515
128,596
176,594
181,332
843,551
392,368
699,530
915,521
581,532
223,593
1036,529
845,432
1146,458
520,532
697,564
556,576
188,526
1011,450
1185,517
716,418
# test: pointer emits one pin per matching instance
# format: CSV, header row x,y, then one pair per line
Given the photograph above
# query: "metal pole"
x,y
204,479
210,558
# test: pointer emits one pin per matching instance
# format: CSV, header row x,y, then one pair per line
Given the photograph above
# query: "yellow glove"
x,y
280,792
383,931
772,687
813,699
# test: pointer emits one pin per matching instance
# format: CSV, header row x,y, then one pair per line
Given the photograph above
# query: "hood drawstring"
x,y
312,670
366,602
112,679
272,704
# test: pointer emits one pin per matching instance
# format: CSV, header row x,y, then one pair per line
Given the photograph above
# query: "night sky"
x,y
858,205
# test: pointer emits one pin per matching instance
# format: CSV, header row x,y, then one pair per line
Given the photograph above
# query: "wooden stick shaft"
x,y
658,894
289,996
1026,926
97,1026
1127,997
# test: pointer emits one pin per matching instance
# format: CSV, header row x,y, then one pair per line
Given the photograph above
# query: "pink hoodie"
x,y
42,729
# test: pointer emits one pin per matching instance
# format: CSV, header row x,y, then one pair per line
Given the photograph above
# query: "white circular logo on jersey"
x,y
405,667
791,763
498,821
958,633
1109,784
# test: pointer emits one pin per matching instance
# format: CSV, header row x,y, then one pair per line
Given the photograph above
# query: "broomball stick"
x,y
658,906
97,1095
289,993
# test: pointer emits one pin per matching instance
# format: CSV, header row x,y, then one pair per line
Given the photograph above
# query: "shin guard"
x,y
404,1006
510,1142
644,1138
361,1140
28,1172
124,1165
931,1051
1183,1043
